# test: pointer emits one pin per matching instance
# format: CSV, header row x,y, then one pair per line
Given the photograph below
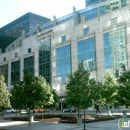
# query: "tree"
x,y
31,92
80,88
55,97
124,89
108,91
4,94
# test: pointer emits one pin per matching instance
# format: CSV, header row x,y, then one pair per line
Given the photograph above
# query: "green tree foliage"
x,y
108,90
31,92
4,94
55,97
80,89
123,96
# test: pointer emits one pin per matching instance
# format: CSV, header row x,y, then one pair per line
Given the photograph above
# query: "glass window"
x,y
115,49
4,59
29,50
63,39
15,72
113,21
86,53
63,62
44,59
29,64
124,2
16,55
86,30
4,72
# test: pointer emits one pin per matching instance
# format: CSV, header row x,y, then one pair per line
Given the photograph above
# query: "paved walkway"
x,y
36,125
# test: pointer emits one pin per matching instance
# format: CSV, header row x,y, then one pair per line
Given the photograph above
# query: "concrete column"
x,y
21,68
36,63
9,73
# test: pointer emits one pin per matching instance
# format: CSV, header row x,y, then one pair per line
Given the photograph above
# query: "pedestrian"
x,y
97,108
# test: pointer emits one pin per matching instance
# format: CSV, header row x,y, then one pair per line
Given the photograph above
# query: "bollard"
x,y
31,118
124,114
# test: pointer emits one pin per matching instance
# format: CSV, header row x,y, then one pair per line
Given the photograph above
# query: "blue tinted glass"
x,y
92,2
86,53
64,19
107,42
107,51
86,30
108,61
63,64
63,38
102,9
89,14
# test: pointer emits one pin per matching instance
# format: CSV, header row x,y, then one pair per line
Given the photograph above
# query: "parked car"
x,y
10,110
25,111
69,109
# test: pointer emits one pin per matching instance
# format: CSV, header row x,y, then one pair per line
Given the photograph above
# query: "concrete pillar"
x,y
36,63
9,73
21,68
31,118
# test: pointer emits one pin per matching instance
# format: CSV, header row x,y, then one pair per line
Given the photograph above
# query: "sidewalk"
x,y
36,125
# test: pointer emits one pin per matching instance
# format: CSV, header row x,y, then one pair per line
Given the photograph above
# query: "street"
x,y
59,112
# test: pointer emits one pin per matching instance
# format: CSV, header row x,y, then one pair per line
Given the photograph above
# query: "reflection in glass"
x,y
29,64
4,72
15,72
44,59
115,49
86,53
63,62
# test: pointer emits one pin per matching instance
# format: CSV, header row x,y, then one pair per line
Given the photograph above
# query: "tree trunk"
x,y
110,110
84,119
2,114
79,120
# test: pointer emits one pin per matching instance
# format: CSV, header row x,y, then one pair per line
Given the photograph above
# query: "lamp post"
x,y
84,112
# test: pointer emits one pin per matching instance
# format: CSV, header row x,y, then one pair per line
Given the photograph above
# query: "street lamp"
x,y
84,112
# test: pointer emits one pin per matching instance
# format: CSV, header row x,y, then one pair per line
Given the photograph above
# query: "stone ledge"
x,y
51,120
104,118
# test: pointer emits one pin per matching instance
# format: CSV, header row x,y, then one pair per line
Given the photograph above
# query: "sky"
x,y
13,9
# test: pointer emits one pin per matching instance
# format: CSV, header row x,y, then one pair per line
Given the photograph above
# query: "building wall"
x,y
71,33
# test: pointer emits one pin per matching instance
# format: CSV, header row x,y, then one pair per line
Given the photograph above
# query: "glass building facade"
x,y
45,59
87,53
115,48
63,62
93,2
15,72
29,64
13,30
4,72
100,10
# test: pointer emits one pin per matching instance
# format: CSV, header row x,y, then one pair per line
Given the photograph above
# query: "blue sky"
x,y
12,9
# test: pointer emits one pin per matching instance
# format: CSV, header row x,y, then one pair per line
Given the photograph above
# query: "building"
x,y
13,30
98,36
